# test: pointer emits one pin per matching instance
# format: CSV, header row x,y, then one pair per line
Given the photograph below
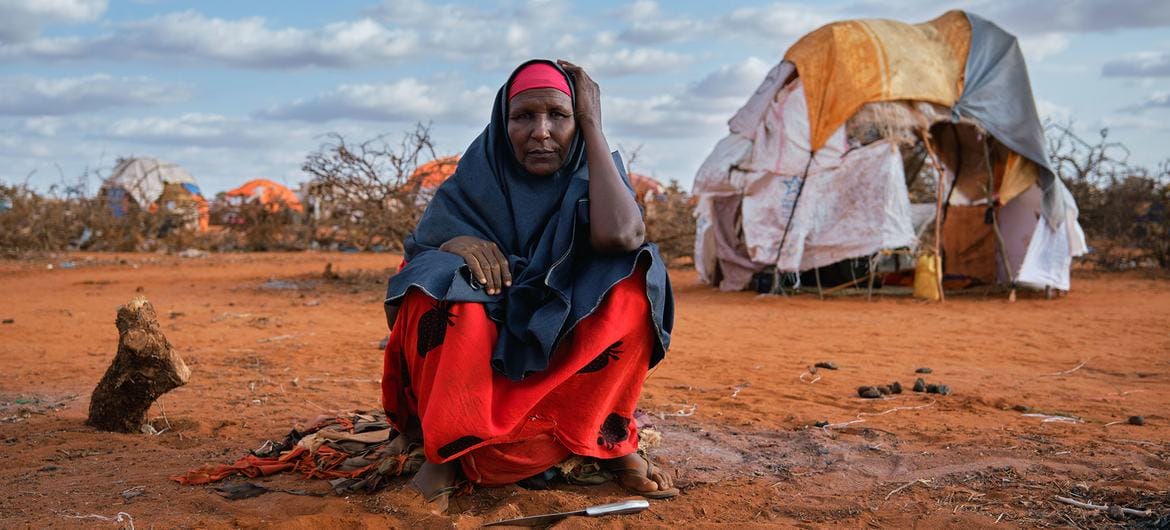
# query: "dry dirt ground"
x,y
1041,394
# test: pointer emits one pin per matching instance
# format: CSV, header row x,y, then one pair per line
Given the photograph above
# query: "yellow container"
x,y
927,276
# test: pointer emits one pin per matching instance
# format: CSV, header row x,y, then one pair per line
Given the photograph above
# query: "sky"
x,y
236,90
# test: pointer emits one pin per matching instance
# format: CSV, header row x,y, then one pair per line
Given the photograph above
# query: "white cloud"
x,y
1154,101
195,129
657,31
1037,48
627,61
1040,16
406,100
22,19
736,80
1134,121
699,109
247,42
777,20
1053,112
640,9
1141,64
32,96
43,125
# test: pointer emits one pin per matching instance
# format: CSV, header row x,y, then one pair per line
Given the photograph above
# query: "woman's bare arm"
x,y
615,222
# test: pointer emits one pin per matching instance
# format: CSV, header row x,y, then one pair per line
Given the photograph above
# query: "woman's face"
x,y
541,128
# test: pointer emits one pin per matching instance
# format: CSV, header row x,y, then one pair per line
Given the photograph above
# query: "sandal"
x,y
622,472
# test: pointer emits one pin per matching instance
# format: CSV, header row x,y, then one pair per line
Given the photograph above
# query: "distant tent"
x,y
150,185
431,175
271,194
646,188
817,167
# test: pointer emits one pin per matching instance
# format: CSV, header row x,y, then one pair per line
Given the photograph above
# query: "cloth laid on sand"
x,y
501,431
356,452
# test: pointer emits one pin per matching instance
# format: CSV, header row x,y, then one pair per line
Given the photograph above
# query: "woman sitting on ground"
x,y
529,308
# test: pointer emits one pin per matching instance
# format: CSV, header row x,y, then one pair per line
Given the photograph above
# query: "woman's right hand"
x,y
488,265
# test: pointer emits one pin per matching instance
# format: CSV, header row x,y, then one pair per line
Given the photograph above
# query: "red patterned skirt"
x,y
437,372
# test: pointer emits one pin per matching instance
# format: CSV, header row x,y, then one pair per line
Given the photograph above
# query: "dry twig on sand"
x,y
924,481
1069,371
860,415
117,518
1114,508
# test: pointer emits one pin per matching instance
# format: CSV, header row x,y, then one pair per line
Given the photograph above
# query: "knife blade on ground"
x,y
613,508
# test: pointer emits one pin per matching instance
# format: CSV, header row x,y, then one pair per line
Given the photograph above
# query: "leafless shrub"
x,y
670,222
256,226
360,195
1124,208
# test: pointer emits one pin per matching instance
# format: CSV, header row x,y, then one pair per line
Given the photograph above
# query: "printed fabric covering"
x,y
438,372
356,452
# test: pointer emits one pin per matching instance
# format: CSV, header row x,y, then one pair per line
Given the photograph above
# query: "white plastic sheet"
x,y
1051,250
855,210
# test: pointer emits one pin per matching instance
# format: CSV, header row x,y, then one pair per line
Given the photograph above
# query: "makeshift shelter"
x,y
646,188
153,185
818,164
273,196
429,176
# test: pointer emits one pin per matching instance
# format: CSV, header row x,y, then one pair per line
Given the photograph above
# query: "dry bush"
x,y
360,195
670,222
254,226
33,222
1124,208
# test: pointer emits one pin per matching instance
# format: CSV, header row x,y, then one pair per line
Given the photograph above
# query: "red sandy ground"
x,y
264,360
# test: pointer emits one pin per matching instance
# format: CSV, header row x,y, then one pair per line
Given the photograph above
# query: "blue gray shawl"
x,y
542,225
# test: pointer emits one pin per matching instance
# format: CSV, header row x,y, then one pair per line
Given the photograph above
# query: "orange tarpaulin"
x,y
268,193
644,185
845,65
431,174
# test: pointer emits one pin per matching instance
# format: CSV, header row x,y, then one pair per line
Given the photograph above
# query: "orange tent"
x,y
847,64
644,185
268,193
431,174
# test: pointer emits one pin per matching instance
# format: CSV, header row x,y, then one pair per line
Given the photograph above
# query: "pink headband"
x,y
538,75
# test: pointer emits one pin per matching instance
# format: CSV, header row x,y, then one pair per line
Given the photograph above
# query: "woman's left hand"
x,y
588,106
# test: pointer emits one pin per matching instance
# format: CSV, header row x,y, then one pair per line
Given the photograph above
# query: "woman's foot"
x,y
436,483
637,474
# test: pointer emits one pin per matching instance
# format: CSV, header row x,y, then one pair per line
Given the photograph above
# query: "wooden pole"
x,y
938,211
991,203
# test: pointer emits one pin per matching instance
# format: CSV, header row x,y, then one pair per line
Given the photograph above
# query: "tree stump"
x,y
145,367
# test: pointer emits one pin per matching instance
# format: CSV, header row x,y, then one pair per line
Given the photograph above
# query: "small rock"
x,y
177,314
821,423
896,387
828,365
868,392
932,388
944,390
1021,408
919,385
885,390
9,321
1137,420
923,370
48,468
